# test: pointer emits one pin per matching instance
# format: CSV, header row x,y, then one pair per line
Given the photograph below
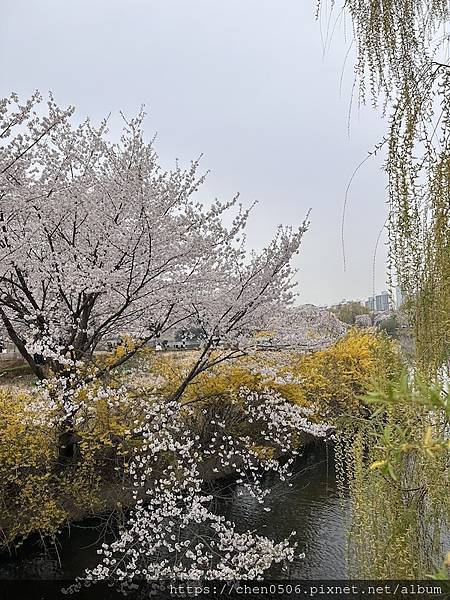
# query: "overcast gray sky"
x,y
246,83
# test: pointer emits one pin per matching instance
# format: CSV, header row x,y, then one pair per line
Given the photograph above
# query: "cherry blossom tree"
x,y
95,241
302,328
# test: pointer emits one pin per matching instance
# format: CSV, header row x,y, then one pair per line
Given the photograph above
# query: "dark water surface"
x,y
311,507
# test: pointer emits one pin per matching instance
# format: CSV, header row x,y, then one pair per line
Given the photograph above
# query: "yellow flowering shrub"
x,y
334,379
331,380
37,492
28,450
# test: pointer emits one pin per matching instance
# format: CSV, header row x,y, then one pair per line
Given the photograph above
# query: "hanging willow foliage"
x,y
396,465
402,61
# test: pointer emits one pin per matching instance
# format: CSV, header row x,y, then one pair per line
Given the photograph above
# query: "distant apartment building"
x,y
380,302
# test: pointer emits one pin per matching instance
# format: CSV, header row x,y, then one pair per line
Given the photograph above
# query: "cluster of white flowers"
x,y
283,418
174,532
41,411
304,328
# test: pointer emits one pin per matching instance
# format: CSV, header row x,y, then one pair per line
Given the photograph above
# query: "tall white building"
x,y
380,302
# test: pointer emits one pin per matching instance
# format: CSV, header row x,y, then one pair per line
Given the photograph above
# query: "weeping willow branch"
x,y
402,62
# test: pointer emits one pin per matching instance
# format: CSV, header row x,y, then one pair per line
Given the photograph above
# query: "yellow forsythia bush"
x,y
334,379
28,450
37,492
331,380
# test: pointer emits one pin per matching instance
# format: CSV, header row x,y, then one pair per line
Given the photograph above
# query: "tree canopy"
x,y
96,241
348,311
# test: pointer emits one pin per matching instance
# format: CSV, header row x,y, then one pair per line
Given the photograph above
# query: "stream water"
x,y
310,506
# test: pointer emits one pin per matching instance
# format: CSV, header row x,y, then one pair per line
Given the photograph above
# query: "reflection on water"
x,y
310,507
